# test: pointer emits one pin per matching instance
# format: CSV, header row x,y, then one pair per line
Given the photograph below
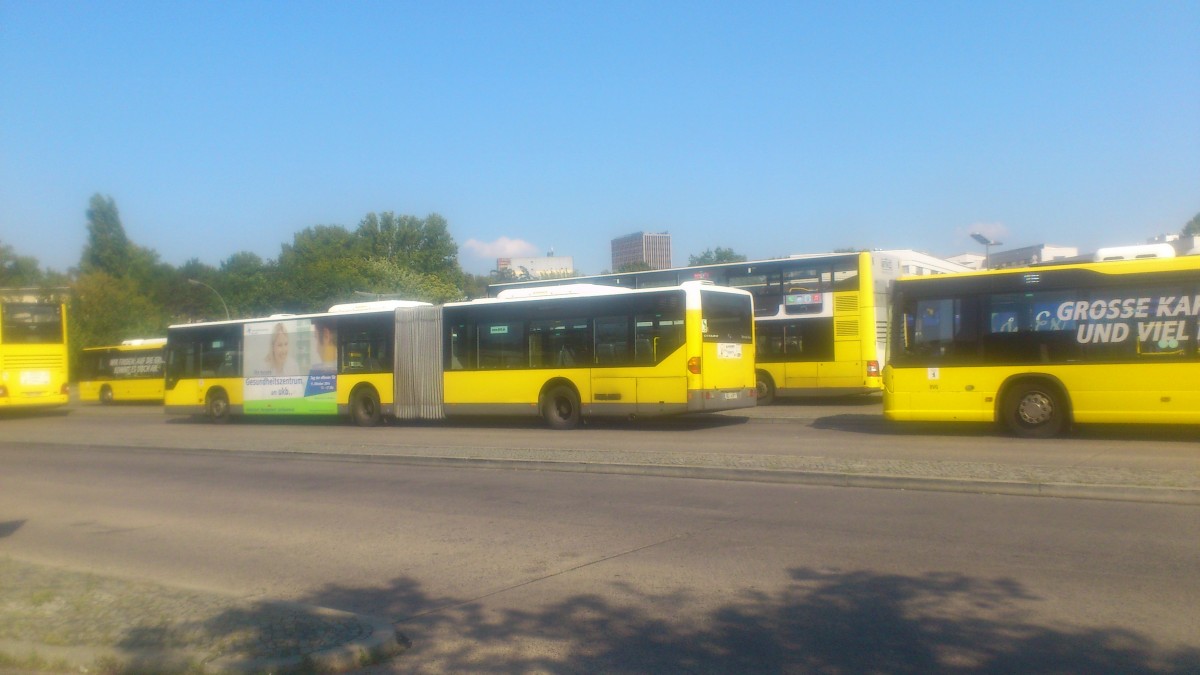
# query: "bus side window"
x,y
612,340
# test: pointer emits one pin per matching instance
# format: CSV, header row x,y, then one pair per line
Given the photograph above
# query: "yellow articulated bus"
x,y
33,352
559,353
1040,348
821,319
130,371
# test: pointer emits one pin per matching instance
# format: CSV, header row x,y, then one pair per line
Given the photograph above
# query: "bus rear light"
x,y
872,369
694,365
3,391
66,389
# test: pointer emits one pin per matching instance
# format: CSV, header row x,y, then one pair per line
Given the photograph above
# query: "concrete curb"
x,y
1050,488
1155,495
1127,493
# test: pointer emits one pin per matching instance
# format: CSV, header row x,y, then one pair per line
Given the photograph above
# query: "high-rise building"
x,y
653,249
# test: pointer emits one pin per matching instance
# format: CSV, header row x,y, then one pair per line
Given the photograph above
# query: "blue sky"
x,y
770,128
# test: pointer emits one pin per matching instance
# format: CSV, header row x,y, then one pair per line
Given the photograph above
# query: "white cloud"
x,y
502,247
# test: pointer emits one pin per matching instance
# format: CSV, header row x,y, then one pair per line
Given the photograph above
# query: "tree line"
x,y
121,290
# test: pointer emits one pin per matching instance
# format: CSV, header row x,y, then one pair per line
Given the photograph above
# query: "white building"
x,y
536,268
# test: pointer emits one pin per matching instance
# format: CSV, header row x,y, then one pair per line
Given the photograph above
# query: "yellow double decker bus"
x,y
559,353
130,371
33,350
1040,348
821,319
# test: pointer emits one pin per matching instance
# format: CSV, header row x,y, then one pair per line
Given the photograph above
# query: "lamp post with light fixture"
x,y
201,283
987,248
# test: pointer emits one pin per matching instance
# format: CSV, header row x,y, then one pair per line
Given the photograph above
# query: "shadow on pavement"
x,y
865,401
821,621
691,422
8,528
875,424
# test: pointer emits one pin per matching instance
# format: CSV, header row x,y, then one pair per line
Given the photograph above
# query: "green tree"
x,y
423,246
107,249
639,266
320,267
1192,229
249,285
18,271
474,285
714,256
105,310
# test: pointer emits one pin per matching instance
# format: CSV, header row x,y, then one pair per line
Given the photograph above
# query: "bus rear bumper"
x,y
711,400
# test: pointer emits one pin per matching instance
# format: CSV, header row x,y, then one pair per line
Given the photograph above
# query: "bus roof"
x,y
1112,266
335,310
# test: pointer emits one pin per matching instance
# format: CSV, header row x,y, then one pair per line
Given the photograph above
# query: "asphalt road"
x,y
516,571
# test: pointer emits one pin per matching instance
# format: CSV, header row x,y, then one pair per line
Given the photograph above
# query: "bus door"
x,y
936,330
613,380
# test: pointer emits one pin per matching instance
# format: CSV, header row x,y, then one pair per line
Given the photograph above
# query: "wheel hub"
x,y
1035,408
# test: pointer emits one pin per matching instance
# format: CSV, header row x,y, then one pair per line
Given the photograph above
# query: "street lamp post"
x,y
987,248
201,283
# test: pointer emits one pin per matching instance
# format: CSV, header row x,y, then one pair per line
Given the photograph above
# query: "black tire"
x,y
365,408
217,407
560,407
106,395
1035,410
766,388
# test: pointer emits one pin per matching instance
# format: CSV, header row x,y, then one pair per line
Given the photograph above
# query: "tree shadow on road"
x,y
8,528
820,622
877,425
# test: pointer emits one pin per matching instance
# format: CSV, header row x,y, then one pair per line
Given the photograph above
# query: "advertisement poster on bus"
x,y
290,367
135,366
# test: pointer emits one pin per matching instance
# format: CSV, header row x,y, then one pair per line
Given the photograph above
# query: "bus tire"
x,y
766,388
106,395
560,407
365,408
1035,409
216,405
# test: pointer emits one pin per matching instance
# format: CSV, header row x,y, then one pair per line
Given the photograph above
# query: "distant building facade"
x,y
653,249
974,261
1030,255
538,267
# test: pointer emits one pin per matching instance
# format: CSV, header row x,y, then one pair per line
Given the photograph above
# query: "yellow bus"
x,y
1040,348
130,371
33,351
559,353
821,319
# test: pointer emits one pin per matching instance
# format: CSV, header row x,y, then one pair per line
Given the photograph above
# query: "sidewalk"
x,y
59,621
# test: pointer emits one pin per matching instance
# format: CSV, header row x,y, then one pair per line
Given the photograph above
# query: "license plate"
x,y
730,395
34,378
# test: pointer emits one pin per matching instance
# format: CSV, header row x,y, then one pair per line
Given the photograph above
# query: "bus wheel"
x,y
560,407
364,407
766,388
217,407
106,395
1034,410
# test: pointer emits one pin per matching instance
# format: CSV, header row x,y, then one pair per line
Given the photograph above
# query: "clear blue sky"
x,y
769,128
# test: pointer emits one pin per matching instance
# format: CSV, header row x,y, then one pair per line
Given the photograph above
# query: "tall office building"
x,y
654,249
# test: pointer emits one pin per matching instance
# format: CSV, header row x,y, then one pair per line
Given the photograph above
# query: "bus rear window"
x,y
28,323
727,318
